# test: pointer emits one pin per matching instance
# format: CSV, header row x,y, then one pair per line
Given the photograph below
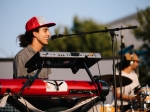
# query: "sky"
x,y
15,13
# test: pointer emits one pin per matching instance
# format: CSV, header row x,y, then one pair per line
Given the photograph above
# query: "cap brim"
x,y
48,24
138,60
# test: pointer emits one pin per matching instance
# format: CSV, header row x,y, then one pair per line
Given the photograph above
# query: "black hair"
x,y
125,63
27,38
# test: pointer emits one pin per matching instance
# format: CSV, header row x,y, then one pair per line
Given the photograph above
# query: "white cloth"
x,y
81,102
129,88
3,101
26,103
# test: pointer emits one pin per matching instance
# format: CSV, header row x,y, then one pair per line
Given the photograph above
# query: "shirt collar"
x,y
31,49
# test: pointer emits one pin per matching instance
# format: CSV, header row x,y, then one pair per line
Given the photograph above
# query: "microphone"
x,y
56,36
61,35
127,49
132,27
129,27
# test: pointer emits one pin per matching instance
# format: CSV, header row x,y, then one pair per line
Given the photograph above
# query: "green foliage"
x,y
84,42
143,33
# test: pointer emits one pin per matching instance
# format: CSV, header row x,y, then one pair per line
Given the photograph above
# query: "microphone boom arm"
x,y
98,31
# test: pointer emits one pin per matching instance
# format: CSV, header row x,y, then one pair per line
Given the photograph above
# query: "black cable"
x,y
98,66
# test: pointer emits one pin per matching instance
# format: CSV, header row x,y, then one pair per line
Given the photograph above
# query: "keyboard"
x,y
73,60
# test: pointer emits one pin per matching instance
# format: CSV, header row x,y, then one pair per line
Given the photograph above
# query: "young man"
x,y
36,36
129,65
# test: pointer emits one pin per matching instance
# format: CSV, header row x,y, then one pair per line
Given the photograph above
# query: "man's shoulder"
x,y
22,52
26,51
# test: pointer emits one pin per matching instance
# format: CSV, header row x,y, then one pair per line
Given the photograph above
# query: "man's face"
x,y
135,65
43,35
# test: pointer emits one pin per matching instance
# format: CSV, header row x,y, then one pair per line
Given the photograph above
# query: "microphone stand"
x,y
112,33
120,68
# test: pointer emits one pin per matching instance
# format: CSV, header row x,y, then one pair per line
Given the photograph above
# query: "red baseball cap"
x,y
36,22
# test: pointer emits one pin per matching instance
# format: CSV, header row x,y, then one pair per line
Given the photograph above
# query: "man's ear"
x,y
35,33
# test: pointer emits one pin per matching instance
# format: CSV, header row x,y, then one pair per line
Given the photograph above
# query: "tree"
x,y
97,42
143,33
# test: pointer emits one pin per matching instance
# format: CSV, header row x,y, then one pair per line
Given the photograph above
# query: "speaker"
x,y
131,62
